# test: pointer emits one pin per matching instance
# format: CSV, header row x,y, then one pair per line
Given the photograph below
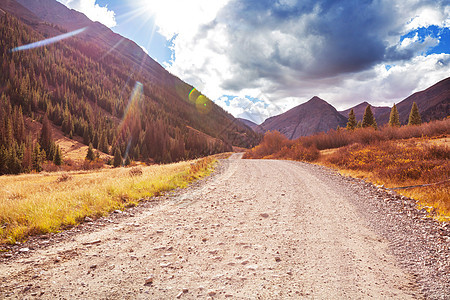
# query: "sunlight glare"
x,y
175,16
48,41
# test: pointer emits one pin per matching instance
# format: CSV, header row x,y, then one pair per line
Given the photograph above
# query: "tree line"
x,y
394,119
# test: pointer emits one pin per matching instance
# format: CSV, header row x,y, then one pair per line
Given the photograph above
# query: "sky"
x,y
259,58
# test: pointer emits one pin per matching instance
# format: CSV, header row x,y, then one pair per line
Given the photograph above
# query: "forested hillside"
x,y
92,94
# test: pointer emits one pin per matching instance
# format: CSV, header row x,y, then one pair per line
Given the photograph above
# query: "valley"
x,y
121,179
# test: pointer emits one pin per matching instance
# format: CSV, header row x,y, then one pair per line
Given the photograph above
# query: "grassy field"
x,y
392,156
41,203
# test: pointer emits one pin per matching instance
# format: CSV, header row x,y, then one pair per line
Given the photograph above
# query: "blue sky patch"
x,y
443,34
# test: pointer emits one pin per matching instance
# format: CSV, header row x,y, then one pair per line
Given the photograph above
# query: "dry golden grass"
x,y
403,163
42,203
437,197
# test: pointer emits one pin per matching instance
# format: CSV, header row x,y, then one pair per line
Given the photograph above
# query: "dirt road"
x,y
257,229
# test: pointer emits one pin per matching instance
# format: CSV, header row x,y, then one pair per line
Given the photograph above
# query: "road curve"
x,y
258,229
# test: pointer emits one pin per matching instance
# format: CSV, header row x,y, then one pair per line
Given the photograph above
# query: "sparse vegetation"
x,y
42,203
393,156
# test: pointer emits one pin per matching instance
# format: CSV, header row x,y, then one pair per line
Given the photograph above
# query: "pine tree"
x,y
20,125
27,161
38,158
414,115
3,160
86,139
103,144
57,160
368,119
351,124
45,140
394,119
117,158
127,161
90,153
95,141
13,162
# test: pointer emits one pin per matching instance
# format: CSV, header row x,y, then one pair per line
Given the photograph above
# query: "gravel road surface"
x,y
256,229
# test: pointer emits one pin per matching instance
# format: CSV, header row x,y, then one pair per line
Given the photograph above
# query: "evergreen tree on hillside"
x,y
394,119
351,124
57,159
127,161
3,160
19,130
414,115
368,118
103,144
38,158
90,153
117,158
45,139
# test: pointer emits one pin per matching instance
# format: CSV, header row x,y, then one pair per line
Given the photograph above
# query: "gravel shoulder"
x,y
256,229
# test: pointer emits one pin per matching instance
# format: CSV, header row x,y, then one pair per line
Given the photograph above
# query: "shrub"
x,y
63,178
136,171
273,143
396,163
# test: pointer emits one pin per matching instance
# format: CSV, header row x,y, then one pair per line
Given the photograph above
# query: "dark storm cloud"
x,y
315,39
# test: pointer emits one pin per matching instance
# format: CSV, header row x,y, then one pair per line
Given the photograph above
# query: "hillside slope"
x,y
311,117
433,103
104,89
249,123
359,109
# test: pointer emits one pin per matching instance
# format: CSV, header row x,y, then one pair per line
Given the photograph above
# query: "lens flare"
x,y
203,104
193,95
132,105
112,49
48,41
130,118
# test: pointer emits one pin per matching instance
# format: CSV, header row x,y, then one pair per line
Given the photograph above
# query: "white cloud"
x,y
93,11
285,52
386,87
256,111
427,16
181,16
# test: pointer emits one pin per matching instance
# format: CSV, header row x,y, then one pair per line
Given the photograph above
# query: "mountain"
x,y
433,103
311,117
98,87
55,13
253,126
359,109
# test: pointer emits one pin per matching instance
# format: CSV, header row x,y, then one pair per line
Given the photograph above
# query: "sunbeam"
x,y
129,117
112,49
